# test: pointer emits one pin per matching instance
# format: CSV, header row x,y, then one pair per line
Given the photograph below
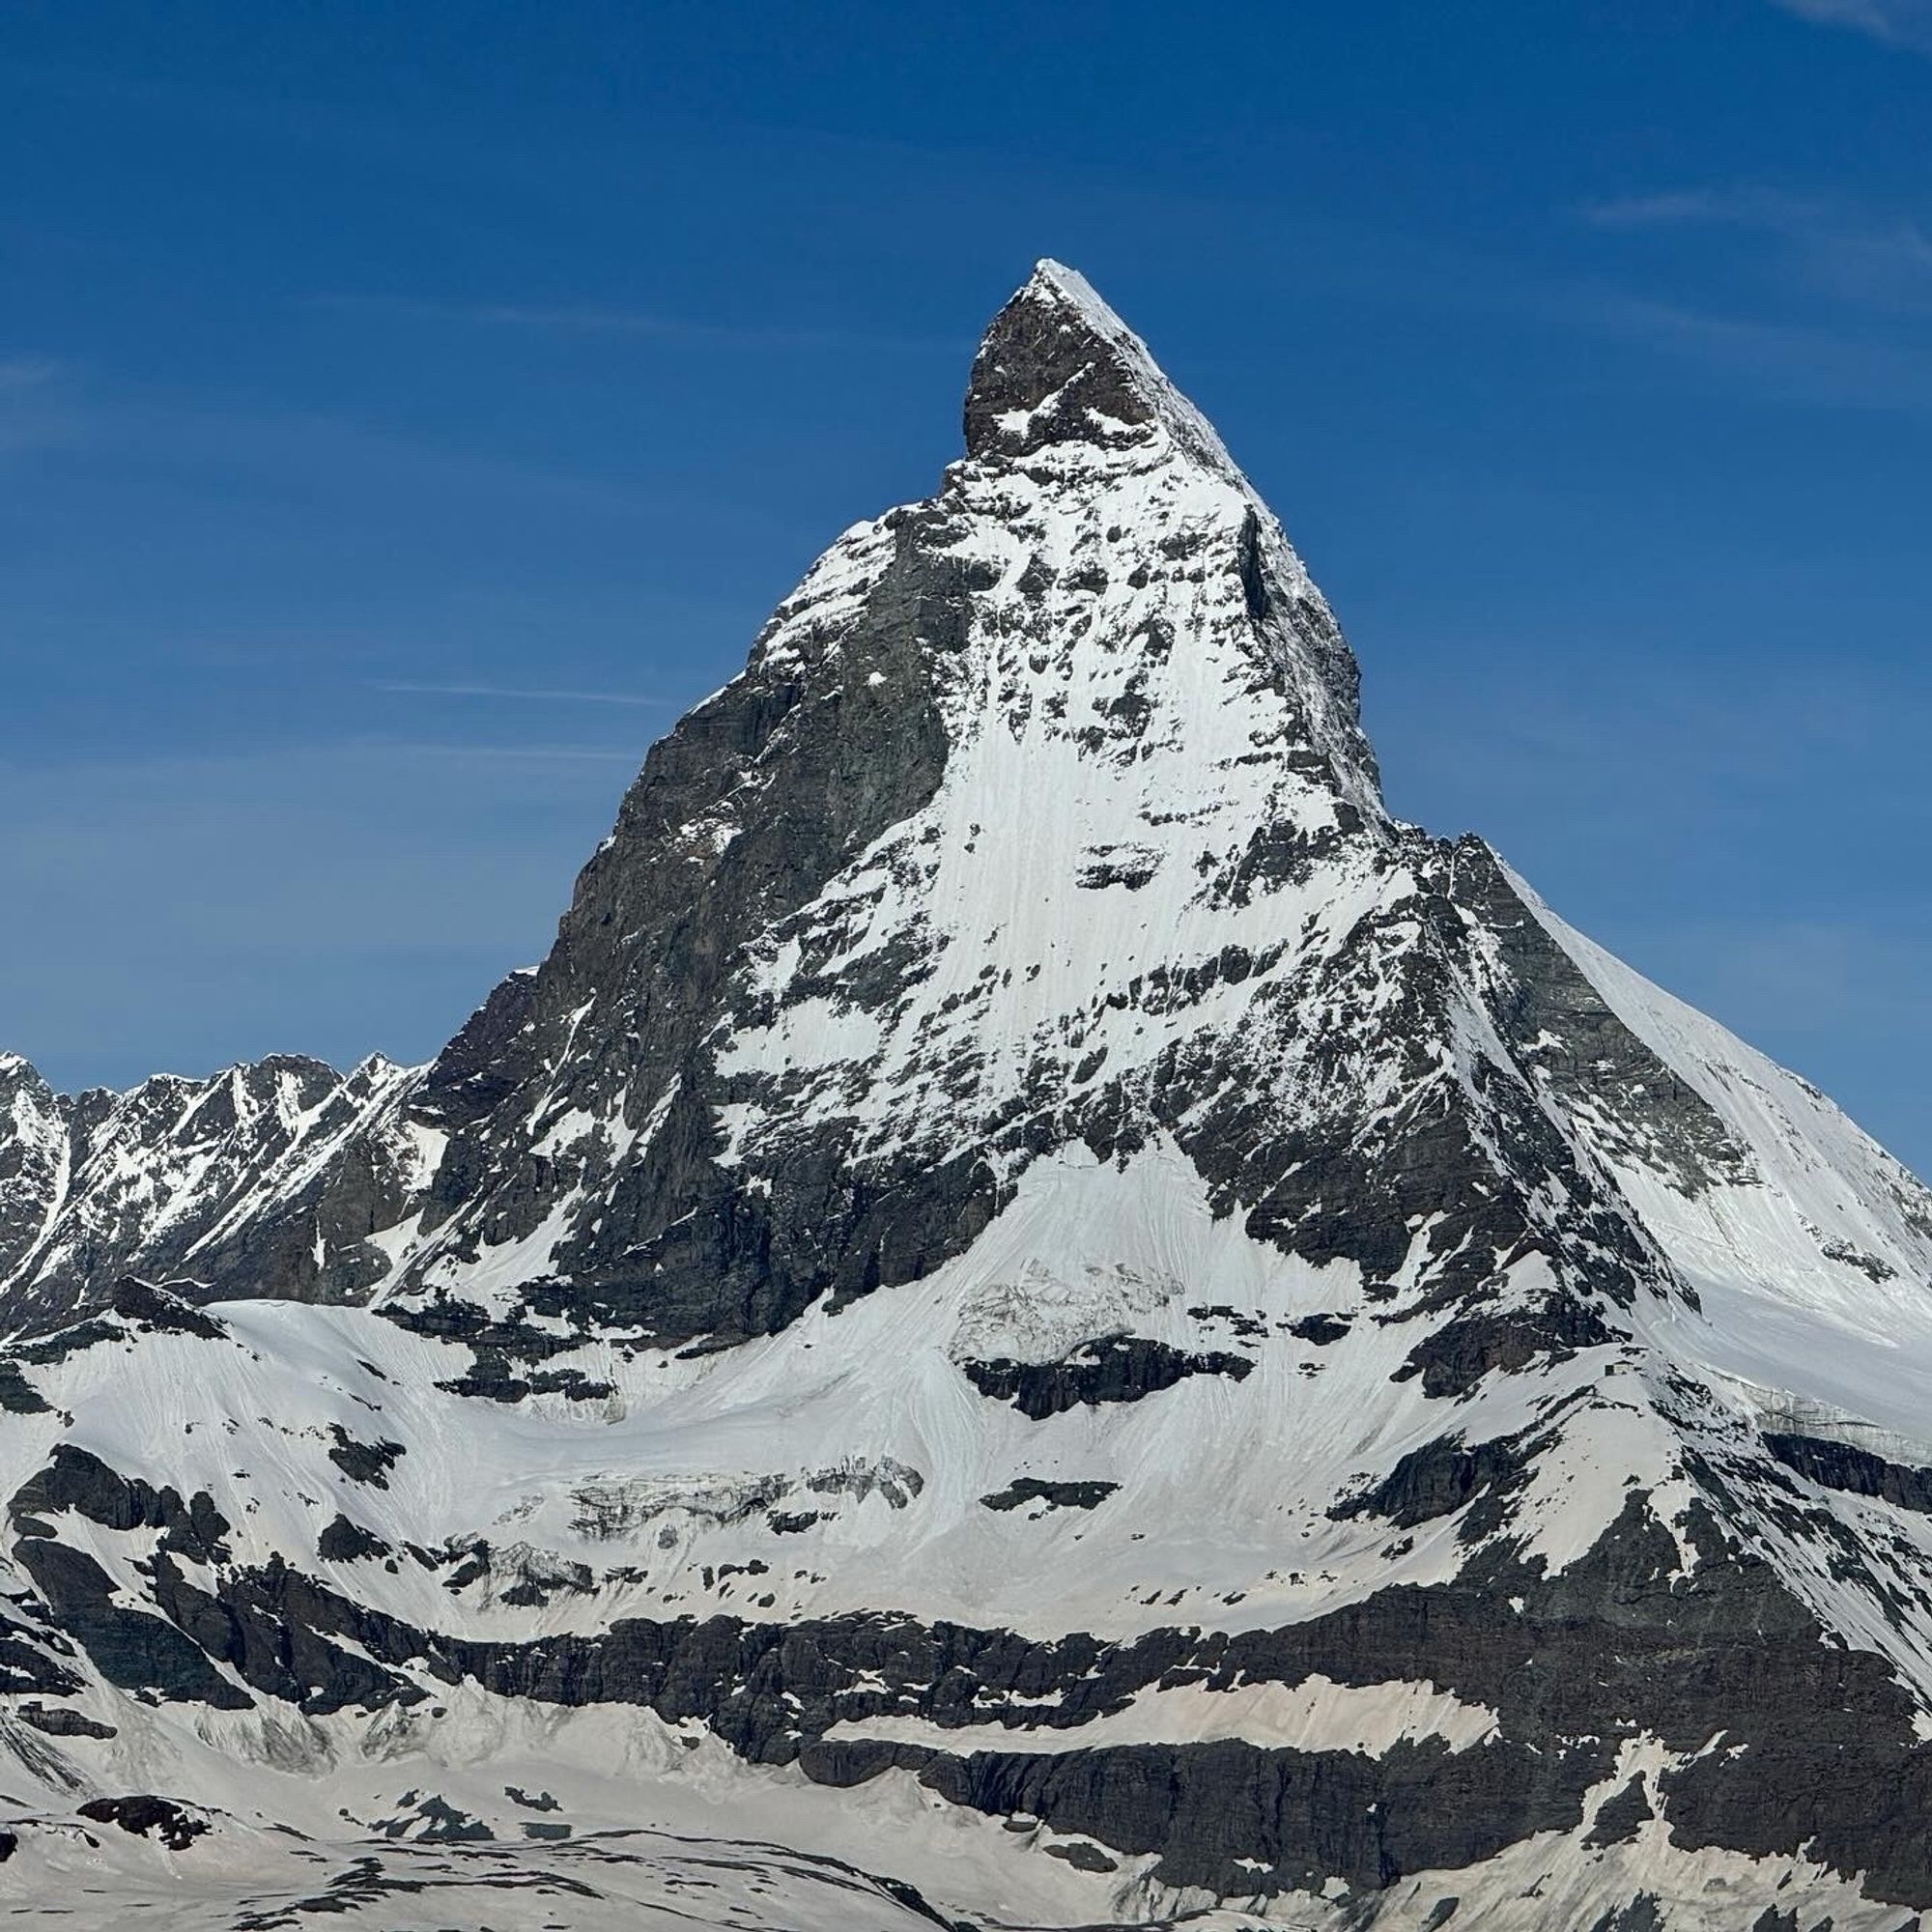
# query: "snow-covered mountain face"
x,y
267,1177
1030,1267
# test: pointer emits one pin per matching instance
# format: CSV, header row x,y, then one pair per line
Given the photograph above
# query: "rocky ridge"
x,y
1029,1249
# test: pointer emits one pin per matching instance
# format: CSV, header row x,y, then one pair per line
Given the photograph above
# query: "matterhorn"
x,y
1039,1316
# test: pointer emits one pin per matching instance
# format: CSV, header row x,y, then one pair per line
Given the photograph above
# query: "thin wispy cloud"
x,y
567,318
504,754
1899,23
1741,206
1792,361
519,694
334,456
36,414
591,319
1836,313
1847,253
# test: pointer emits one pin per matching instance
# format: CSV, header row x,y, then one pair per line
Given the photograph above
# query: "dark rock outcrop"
x,y
170,1824
1112,1368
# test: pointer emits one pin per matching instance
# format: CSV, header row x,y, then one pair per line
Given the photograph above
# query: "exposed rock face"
x,y
264,1179
1029,1249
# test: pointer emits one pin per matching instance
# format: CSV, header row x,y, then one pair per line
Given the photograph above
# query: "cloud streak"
x,y
517,693
1898,23
1792,362
504,754
1841,252
591,319
1840,305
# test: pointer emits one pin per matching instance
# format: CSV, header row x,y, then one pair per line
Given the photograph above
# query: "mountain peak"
x,y
1057,364
1026,1245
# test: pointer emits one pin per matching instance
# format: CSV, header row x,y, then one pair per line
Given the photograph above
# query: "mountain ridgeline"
x,y
1030,1250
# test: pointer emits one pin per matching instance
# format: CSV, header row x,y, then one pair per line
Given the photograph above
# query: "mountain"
x,y
275,1172
1036,1303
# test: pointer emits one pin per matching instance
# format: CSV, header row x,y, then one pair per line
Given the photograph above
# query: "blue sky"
x,y
406,410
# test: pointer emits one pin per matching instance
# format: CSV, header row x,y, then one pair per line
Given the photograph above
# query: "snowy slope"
x,y
1031,1265
1811,1254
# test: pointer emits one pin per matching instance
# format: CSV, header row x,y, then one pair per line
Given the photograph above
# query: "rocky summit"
x,y
1039,1316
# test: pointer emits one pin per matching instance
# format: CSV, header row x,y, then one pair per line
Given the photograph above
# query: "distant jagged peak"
x,y
18,1066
